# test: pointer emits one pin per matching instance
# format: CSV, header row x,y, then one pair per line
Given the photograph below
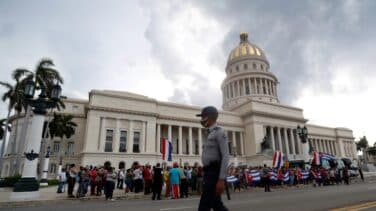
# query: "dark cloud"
x,y
301,38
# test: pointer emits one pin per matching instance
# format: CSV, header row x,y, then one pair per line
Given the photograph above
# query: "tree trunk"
x,y
23,136
3,145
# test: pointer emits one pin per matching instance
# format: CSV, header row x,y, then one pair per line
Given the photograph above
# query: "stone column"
x,y
158,139
286,141
102,134
234,141
130,141
233,89
199,141
272,137
116,141
244,90
143,138
28,182
262,85
180,141
190,141
238,86
299,147
249,85
279,139
242,143
292,141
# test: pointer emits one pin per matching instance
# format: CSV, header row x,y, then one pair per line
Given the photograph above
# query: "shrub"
x,y
53,182
10,181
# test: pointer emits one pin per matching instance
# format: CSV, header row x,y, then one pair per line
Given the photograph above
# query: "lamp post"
x,y
303,135
28,184
44,181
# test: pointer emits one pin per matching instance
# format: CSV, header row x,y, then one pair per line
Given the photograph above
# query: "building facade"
x,y
123,127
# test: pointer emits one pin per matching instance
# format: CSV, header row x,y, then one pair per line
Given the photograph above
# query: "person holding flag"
x,y
215,158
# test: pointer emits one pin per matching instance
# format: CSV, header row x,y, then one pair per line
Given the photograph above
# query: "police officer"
x,y
215,158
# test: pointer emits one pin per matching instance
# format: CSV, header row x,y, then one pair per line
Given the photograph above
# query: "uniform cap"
x,y
208,112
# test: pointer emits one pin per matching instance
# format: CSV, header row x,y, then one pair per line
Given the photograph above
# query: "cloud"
x,y
177,50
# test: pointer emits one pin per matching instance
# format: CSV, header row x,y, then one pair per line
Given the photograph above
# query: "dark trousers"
x,y
266,184
157,189
147,184
92,187
71,182
183,188
120,183
209,198
109,187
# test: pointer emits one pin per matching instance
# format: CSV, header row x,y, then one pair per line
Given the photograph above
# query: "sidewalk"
x,y
48,194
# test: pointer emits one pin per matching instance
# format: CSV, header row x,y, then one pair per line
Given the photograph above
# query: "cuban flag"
x,y
325,156
278,159
231,179
166,150
305,175
286,177
254,175
273,176
316,159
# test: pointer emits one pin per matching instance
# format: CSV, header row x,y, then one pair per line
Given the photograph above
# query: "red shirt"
x,y
146,174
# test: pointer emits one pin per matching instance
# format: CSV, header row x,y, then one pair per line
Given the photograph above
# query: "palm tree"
x,y
62,126
15,97
44,77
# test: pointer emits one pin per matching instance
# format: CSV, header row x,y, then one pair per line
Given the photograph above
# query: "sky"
x,y
321,51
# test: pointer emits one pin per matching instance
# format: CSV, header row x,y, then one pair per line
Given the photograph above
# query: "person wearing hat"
x,y
215,158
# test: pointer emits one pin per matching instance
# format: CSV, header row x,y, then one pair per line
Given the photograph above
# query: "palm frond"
x,y
18,73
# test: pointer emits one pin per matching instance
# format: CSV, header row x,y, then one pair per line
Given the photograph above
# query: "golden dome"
x,y
246,49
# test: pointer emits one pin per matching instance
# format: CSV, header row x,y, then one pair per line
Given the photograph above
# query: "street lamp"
x,y
29,182
303,135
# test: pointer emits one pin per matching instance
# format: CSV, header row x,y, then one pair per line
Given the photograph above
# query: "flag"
x,y
273,176
316,159
254,175
231,179
286,177
325,156
304,174
166,150
278,159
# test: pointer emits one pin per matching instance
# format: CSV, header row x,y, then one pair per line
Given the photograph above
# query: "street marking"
x,y
176,208
357,207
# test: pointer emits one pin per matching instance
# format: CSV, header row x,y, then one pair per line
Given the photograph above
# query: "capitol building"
x,y
123,127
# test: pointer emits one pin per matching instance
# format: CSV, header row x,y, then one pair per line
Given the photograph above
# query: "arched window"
x,y
254,66
245,66
237,68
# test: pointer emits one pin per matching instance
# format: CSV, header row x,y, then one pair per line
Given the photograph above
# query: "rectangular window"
x,y
136,142
70,148
109,140
56,148
53,168
123,141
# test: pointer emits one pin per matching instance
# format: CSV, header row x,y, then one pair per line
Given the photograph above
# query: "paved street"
x,y
307,198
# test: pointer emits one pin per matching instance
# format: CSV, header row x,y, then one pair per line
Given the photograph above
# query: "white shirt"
x,y
62,177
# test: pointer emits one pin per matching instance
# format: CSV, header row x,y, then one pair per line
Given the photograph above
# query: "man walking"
x,y
215,158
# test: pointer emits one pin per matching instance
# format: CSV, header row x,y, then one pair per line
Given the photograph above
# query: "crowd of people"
x,y
183,181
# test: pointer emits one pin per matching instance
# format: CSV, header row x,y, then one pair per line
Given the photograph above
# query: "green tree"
x,y
44,76
14,95
362,144
62,126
